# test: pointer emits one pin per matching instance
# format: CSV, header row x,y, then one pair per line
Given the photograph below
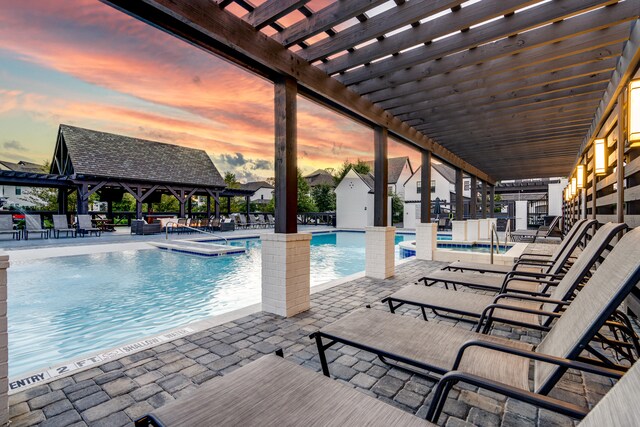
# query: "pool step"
x,y
200,249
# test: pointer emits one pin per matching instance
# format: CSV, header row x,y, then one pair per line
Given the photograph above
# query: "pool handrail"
x,y
166,231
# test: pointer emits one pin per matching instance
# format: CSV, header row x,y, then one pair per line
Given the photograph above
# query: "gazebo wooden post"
x,y
228,205
138,203
181,200
208,206
492,201
459,195
110,209
62,200
380,239
247,200
473,200
286,264
83,199
426,231
484,199
216,198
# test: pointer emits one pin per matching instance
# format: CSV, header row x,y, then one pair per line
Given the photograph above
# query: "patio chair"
x,y
6,227
271,221
33,225
86,227
60,223
524,310
442,224
531,235
272,391
241,221
426,348
516,278
616,408
532,262
259,221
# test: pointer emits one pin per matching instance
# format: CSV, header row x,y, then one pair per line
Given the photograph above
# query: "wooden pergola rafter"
x,y
434,73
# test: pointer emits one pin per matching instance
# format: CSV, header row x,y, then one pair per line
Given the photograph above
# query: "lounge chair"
x,y
86,227
33,225
241,221
271,220
532,235
616,408
272,391
524,310
515,278
533,262
60,223
6,227
259,221
427,348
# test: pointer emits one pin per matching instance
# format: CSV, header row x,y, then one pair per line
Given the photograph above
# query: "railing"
x,y
494,232
166,231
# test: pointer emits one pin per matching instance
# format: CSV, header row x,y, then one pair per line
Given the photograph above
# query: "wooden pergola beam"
x,y
518,129
219,32
333,14
497,56
376,26
496,85
272,10
489,97
588,22
447,24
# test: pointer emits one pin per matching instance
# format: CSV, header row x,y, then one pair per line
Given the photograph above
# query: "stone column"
x,y
472,230
380,252
426,240
286,273
459,231
4,352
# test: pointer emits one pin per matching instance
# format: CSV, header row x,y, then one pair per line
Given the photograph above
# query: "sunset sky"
x,y
83,63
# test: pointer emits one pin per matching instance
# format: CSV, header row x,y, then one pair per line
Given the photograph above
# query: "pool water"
x,y
64,307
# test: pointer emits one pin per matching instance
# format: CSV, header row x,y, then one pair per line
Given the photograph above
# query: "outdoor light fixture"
x,y
574,186
600,153
634,113
580,175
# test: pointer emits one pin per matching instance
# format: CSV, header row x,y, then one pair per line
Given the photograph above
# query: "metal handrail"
x,y
166,231
494,231
507,232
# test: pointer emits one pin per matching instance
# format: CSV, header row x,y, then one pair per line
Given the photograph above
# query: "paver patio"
x,y
118,392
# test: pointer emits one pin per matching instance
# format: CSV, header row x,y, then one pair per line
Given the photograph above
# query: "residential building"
x,y
320,177
354,201
400,171
14,195
263,191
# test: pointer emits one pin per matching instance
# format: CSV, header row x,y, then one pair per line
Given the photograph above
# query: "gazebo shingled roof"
x,y
105,155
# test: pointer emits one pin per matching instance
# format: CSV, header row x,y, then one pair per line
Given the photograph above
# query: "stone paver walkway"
x,y
120,391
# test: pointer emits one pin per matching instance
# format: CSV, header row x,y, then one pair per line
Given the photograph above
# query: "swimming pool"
x,y
64,307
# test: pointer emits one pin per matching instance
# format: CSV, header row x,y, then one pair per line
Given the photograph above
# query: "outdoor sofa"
x,y
141,228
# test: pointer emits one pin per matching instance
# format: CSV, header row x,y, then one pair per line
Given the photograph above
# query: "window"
x,y
390,189
433,185
262,196
419,187
18,191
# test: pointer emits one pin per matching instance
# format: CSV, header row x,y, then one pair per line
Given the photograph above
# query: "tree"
x,y
497,198
305,202
397,209
230,180
324,198
360,166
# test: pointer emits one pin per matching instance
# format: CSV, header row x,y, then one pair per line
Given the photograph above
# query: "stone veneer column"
x,y
380,252
4,351
286,273
459,231
472,230
426,240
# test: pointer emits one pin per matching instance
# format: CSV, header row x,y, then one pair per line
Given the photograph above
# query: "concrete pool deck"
x,y
117,392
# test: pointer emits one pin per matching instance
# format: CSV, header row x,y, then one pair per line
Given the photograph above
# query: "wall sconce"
x,y
600,154
580,175
634,113
574,186
567,194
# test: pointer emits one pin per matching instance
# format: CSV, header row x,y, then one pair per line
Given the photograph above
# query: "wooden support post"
x,y
247,200
286,146
484,199
492,201
83,199
181,200
425,191
110,209
228,205
62,200
473,200
459,195
381,177
216,200
622,131
189,206
208,206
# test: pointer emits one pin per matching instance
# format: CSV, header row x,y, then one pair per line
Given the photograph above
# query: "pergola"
x,y
497,89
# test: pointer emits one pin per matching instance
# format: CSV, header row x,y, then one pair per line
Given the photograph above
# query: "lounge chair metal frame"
x,y
8,219
525,235
487,315
57,228
87,228
33,225
580,339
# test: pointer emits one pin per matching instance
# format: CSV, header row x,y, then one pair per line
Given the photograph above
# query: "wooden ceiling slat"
x,y
477,13
541,101
222,33
541,135
579,25
272,10
376,26
495,94
500,84
447,24
333,14
515,128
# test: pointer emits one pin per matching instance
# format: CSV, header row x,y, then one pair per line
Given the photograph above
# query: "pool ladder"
x,y
494,233
166,232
